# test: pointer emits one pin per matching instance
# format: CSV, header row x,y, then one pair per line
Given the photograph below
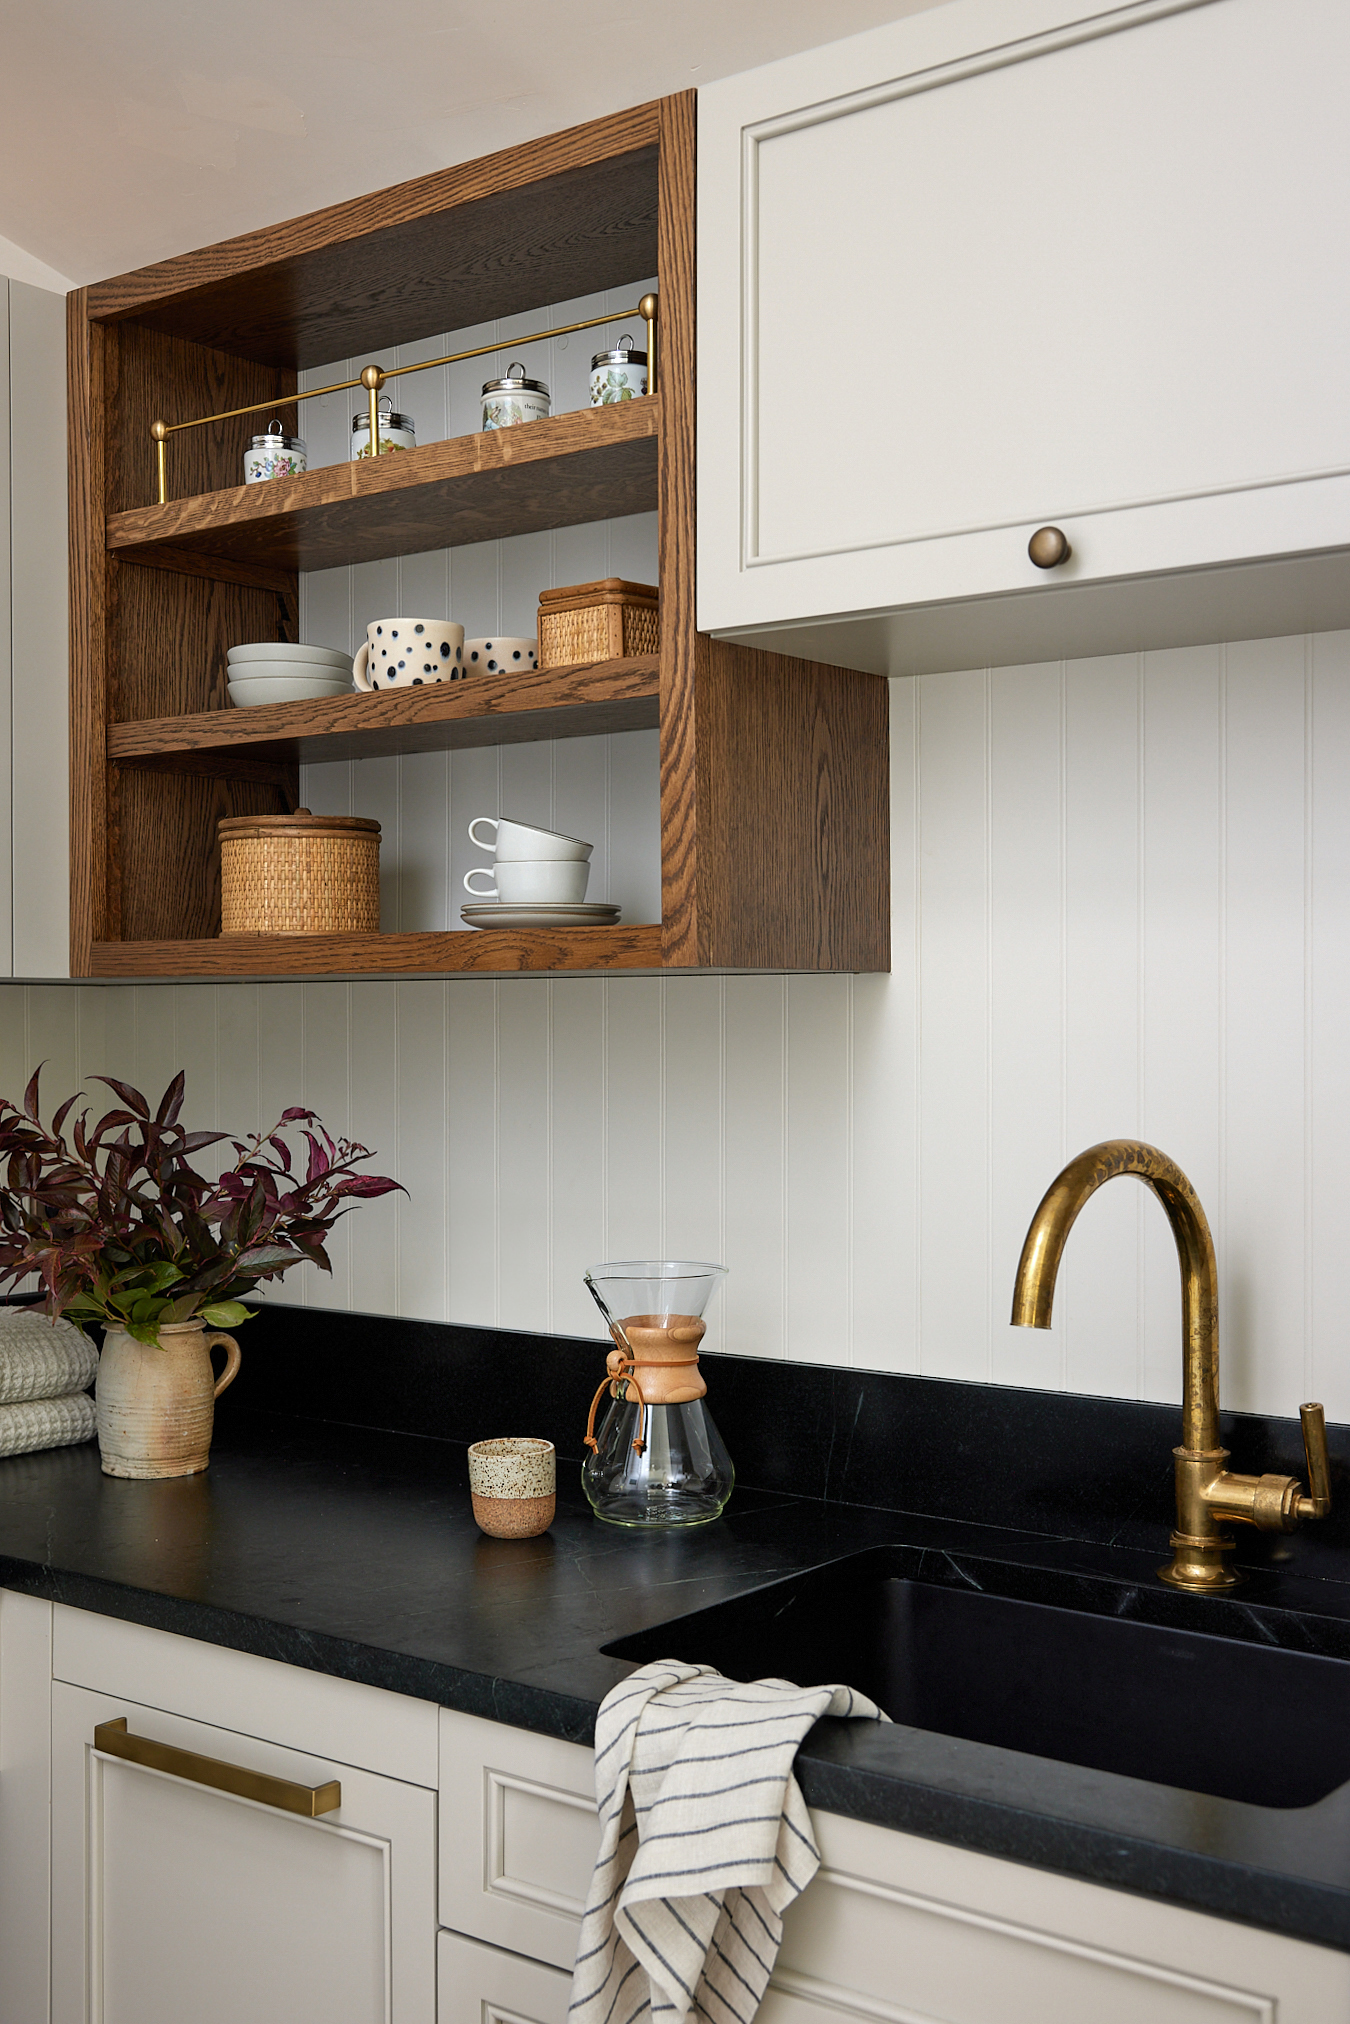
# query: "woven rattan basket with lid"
x,y
597,622
299,874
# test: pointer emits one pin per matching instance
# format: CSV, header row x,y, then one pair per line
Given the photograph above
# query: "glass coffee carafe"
x,y
657,1459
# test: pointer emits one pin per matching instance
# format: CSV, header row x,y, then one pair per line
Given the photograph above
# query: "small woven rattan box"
x,y
604,621
299,874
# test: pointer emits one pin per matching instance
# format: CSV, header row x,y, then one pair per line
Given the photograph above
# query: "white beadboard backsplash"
x,y
604,789
1121,906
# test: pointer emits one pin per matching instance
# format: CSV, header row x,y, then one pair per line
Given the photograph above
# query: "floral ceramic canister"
x,y
514,399
618,375
274,455
397,432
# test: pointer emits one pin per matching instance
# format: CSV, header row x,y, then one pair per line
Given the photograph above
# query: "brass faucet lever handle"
x,y
1319,1467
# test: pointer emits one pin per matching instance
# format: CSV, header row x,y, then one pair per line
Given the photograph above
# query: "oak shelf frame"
x,y
591,464
486,951
774,770
585,699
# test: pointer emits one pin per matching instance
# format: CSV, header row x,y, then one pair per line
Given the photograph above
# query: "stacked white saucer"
x,y
538,879
280,671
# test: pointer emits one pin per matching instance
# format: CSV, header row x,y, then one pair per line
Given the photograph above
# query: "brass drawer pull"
x,y
310,1800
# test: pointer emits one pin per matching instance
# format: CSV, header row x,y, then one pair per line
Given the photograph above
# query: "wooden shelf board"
x,y
566,215
490,951
586,700
592,464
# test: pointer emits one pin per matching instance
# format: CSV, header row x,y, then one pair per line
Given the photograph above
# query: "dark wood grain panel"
x,y
168,854
593,464
221,568
170,636
489,952
793,807
680,829
152,377
587,699
554,218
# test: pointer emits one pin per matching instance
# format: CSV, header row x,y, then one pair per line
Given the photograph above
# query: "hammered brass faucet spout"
x,y
1208,1495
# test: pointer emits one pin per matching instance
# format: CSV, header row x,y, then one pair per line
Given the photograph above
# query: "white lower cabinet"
x,y
178,1894
894,1928
485,1985
177,1900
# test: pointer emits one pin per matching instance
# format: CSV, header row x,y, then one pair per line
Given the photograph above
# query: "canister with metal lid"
x,y
514,399
274,454
618,375
397,432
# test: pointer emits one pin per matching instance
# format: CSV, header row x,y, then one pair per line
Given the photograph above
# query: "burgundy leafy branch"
x,y
123,1230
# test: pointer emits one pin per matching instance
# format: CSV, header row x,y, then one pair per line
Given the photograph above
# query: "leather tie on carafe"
x,y
665,1350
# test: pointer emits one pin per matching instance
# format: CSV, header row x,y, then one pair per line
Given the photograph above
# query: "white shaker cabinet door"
x,y
175,1900
484,1985
1016,262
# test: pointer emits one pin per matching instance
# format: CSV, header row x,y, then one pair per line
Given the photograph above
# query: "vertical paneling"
x,y
953,1011
754,1165
607,791
1026,991
1326,1092
1184,1090
1265,973
1121,906
1096,1309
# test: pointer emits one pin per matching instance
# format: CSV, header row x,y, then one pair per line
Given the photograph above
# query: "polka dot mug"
x,y
406,653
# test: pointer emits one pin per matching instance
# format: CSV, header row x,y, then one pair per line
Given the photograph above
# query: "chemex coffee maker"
x,y
657,1459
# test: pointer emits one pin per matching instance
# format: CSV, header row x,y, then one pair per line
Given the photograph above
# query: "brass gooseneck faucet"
x,y
1208,1495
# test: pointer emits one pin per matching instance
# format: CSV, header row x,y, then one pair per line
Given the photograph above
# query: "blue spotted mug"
x,y
406,653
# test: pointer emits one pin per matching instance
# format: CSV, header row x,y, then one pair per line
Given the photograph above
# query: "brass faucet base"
x,y
1198,1565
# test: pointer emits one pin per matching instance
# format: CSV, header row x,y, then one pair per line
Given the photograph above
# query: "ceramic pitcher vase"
x,y
155,1404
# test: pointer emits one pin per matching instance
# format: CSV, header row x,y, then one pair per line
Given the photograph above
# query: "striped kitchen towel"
x,y
705,1840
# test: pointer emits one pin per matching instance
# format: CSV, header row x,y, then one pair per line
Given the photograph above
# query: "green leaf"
x,y
226,1314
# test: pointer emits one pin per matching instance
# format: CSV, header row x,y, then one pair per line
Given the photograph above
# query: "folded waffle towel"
x,y
45,1423
40,1358
705,1840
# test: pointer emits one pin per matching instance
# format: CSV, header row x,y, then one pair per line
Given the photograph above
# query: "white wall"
x,y
1121,904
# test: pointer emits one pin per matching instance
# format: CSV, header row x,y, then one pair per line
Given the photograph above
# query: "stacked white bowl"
x,y
278,671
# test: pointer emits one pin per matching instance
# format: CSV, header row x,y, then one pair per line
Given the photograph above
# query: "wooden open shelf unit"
x,y
773,770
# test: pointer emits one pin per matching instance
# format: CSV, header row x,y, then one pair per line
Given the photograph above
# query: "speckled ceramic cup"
x,y
513,1484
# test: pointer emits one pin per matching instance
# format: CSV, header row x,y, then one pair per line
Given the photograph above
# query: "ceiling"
x,y
140,129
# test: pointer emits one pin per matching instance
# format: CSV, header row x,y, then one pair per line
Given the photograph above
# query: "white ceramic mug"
x,y
515,840
522,880
405,653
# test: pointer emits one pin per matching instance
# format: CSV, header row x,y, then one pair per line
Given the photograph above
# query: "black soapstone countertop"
x,y
351,1550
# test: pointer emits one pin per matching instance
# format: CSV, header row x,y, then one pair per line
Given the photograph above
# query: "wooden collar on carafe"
x,y
662,1369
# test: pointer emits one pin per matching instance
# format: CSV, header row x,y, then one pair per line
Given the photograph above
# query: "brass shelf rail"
x,y
373,377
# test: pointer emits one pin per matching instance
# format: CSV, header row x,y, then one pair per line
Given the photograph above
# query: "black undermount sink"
x,y
1202,1696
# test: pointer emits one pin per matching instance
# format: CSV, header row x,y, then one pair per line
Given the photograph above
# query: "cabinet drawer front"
x,y
853,1950
354,1724
519,1836
482,1985
173,1898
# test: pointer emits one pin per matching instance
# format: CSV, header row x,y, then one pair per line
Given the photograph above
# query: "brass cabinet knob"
x,y
1048,547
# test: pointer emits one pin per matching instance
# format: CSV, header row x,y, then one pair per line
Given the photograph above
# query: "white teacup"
x,y
515,840
406,653
529,880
